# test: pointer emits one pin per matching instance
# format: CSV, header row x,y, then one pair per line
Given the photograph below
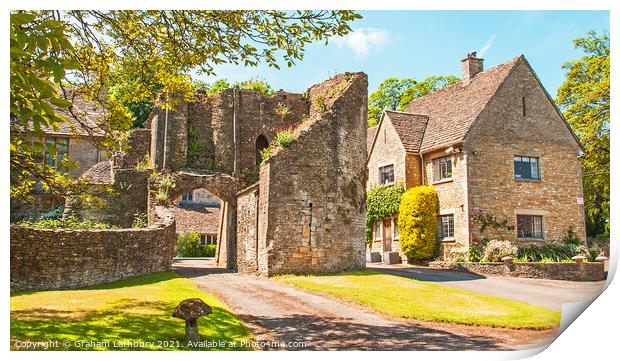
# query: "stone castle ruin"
x,y
300,210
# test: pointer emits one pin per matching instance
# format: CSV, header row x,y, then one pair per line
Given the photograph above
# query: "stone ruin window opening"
x,y
260,144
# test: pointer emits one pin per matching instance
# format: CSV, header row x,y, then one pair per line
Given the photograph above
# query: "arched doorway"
x,y
261,143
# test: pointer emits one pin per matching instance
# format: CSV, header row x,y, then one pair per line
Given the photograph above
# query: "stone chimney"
x,y
471,66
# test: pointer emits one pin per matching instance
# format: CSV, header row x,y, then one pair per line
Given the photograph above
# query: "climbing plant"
x,y
382,202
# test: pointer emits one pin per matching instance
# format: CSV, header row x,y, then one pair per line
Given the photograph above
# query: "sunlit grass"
x,y
403,297
136,310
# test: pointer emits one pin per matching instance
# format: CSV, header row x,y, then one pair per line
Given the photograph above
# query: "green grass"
x,y
136,310
406,298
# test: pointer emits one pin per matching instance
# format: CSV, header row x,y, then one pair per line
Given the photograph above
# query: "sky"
x,y
417,44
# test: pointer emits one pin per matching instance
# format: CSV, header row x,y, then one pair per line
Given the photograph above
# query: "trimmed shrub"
x,y
495,250
188,245
417,223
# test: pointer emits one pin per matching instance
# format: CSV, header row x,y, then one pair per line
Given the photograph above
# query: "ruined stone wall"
x,y
312,194
503,132
247,230
47,259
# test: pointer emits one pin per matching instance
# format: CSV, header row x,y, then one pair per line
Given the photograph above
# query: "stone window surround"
x,y
531,212
383,165
448,212
443,180
540,173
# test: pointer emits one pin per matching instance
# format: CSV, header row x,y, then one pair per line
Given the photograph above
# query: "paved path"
x,y
283,316
547,293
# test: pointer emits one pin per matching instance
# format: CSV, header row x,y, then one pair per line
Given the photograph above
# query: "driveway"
x,y
285,317
547,293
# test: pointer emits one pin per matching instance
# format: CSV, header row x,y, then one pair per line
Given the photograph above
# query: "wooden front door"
x,y
387,235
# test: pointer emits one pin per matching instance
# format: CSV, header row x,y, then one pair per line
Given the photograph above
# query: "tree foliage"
x,y
122,59
584,99
396,94
382,202
417,223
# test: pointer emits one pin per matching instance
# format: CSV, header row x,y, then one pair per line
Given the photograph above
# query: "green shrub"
x,y
188,245
382,202
140,220
284,138
548,250
417,223
473,255
495,250
53,214
70,222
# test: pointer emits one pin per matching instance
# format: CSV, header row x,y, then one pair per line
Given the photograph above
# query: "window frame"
x,y
378,236
395,231
437,165
520,168
52,160
533,230
440,231
381,173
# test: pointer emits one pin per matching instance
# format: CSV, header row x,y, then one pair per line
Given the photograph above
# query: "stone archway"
x,y
222,185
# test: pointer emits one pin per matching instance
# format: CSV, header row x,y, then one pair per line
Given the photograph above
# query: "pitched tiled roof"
x,y
100,173
409,127
452,110
197,218
370,136
88,115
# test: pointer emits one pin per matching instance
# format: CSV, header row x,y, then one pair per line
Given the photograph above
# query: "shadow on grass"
x,y
129,321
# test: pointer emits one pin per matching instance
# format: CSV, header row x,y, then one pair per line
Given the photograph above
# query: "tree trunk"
x,y
191,331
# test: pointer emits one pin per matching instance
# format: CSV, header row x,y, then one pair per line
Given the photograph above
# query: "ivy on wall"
x,y
382,202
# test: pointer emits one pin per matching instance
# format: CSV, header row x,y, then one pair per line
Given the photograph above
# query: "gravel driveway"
x,y
285,317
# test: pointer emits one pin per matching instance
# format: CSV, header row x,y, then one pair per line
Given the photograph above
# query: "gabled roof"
x,y
409,127
370,136
452,110
88,114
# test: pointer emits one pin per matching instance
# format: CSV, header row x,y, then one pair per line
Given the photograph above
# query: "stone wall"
x,y
312,194
502,132
247,230
46,259
589,271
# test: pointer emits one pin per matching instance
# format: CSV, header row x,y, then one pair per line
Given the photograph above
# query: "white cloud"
x,y
362,40
486,46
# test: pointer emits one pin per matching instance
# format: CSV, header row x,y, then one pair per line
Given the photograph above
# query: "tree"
x,y
387,96
417,222
121,59
584,100
396,94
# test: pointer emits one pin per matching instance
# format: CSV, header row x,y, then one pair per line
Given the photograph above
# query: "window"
x,y
527,168
206,239
442,168
59,148
395,228
378,227
386,174
529,226
446,226
188,197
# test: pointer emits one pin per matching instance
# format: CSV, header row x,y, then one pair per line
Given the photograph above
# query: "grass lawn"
x,y
403,297
135,310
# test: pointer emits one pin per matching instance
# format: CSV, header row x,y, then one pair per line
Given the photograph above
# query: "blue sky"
x,y
417,44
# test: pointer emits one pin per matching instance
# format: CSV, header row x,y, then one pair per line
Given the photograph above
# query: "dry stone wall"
x,y
51,259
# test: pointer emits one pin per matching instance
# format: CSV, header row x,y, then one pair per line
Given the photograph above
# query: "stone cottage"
x,y
493,144
74,140
300,210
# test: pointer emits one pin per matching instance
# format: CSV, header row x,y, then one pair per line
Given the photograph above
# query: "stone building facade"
x,y
299,210
493,144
